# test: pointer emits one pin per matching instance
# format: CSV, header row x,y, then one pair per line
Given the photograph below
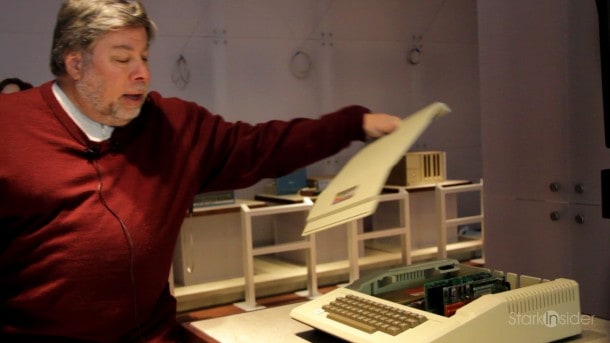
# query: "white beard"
x,y
91,89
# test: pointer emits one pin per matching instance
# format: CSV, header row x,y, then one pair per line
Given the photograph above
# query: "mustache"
x,y
138,89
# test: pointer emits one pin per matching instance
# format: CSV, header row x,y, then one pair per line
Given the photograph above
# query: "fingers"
x,y
378,124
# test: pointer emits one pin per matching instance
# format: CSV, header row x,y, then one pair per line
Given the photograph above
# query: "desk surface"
x,y
227,208
267,325
275,325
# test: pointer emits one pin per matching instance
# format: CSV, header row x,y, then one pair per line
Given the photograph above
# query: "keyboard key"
x,y
352,322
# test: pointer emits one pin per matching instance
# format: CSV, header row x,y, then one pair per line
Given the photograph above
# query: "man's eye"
x,y
122,60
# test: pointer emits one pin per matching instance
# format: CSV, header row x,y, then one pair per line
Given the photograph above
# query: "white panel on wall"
x,y
183,31
387,20
260,84
293,19
452,21
180,19
449,74
199,63
371,73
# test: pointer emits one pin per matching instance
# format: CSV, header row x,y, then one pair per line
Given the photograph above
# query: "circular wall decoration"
x,y
300,64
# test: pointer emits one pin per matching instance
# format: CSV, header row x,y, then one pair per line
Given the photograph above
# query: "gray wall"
x,y
238,54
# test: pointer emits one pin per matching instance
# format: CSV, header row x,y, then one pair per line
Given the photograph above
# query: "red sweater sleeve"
x,y
237,155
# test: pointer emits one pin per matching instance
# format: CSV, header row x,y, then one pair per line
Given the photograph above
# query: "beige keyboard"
x,y
358,317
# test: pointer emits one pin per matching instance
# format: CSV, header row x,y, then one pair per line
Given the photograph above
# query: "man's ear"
x,y
74,64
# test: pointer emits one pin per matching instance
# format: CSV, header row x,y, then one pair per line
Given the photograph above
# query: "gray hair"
x,y
80,23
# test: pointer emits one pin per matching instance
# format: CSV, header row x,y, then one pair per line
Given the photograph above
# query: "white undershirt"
x,y
96,132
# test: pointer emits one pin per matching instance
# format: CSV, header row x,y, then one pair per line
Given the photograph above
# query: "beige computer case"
x,y
417,168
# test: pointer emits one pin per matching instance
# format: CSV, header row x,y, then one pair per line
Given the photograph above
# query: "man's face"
x,y
114,77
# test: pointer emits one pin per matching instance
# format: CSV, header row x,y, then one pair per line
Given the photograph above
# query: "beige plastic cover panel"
x,y
354,192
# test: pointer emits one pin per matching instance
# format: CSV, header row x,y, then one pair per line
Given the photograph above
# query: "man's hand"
x,y
378,124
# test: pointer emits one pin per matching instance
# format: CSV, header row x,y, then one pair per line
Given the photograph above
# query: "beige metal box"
x,y
417,168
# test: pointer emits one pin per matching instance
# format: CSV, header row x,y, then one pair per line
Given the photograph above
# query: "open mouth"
x,y
134,97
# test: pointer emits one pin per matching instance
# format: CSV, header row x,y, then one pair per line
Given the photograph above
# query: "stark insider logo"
x,y
550,319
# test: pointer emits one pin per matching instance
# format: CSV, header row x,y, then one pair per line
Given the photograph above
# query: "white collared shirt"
x,y
97,132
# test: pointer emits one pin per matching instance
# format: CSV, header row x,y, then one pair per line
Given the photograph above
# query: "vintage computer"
x,y
436,301
445,301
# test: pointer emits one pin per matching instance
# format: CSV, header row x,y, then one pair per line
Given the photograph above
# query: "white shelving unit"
x,y
250,251
402,232
445,222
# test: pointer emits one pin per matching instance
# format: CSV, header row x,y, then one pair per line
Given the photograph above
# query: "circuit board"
x,y
444,297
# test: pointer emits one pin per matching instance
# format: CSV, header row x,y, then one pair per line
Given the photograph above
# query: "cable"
x,y
129,244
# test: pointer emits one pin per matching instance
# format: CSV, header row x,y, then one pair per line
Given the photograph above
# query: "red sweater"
x,y
87,230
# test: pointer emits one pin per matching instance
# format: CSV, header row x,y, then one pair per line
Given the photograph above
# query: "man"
x,y
96,175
